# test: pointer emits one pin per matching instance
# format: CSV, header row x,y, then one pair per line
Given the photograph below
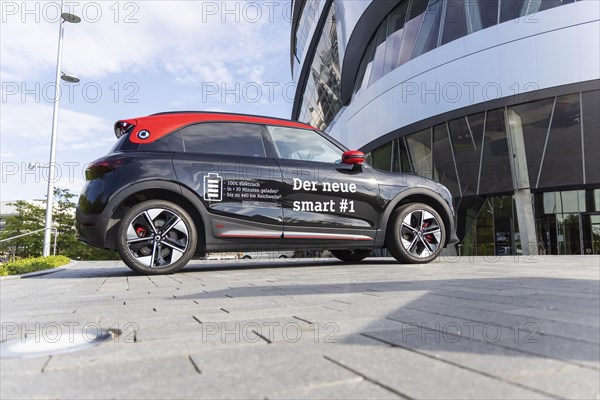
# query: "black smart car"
x,y
181,184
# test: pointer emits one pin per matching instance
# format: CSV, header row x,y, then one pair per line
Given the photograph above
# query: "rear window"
x,y
123,144
234,139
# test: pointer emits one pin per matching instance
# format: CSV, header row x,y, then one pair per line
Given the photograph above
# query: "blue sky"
x,y
134,58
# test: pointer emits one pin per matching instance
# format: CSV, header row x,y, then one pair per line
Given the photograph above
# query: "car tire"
x,y
416,234
156,237
351,255
246,258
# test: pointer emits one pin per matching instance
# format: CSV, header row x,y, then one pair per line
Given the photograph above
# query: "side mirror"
x,y
353,157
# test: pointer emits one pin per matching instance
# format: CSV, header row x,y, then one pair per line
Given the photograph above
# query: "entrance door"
x,y
569,239
590,225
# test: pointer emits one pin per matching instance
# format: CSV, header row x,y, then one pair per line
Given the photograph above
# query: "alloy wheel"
x,y
157,237
420,233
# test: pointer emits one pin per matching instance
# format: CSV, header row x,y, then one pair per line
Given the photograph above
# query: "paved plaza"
x,y
509,327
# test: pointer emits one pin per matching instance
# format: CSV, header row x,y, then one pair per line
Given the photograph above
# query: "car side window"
x,y
235,139
170,143
303,144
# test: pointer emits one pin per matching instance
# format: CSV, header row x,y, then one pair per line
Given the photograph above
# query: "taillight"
x,y
103,166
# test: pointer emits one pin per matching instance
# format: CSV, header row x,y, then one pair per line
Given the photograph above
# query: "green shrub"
x,y
27,265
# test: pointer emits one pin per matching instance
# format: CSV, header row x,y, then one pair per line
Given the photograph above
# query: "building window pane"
x,y
466,134
411,30
428,35
445,170
591,135
549,202
419,150
488,12
529,123
569,201
562,161
495,171
309,17
511,9
394,36
405,165
395,157
503,225
581,197
381,157
545,5
455,21
365,65
379,57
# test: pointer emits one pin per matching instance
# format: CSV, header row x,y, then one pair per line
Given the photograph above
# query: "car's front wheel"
x,y
351,255
156,237
416,234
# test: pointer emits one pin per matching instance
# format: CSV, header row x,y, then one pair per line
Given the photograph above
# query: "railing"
x,y
31,233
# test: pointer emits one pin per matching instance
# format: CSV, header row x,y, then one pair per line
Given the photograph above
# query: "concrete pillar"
x,y
520,176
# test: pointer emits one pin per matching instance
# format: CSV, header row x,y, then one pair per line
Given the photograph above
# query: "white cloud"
x,y
182,37
33,121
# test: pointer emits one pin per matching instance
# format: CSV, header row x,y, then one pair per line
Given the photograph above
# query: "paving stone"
x,y
218,330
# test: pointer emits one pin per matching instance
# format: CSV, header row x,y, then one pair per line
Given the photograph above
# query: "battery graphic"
x,y
213,187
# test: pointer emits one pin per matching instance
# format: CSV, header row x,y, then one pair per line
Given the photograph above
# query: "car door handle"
x,y
301,172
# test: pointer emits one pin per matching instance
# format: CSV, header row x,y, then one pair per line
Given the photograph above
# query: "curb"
x,y
39,273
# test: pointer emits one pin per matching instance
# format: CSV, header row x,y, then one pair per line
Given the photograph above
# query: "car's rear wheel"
x,y
416,234
351,255
156,237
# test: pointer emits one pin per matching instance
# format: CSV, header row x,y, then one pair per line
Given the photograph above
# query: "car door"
x,y
324,202
226,165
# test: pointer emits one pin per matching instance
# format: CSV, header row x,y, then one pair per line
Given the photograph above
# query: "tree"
x,y
30,217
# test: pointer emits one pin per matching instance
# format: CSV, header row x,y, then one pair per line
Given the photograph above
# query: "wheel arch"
x,y
155,190
425,196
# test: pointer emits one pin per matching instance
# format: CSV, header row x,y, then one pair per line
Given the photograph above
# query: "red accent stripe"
x,y
330,237
233,235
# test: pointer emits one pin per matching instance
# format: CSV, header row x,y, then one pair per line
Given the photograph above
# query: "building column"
x,y
520,176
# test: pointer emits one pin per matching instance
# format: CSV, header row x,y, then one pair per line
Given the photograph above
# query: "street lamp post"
x,y
65,17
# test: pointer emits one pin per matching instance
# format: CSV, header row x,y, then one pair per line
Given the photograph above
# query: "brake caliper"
x,y
141,231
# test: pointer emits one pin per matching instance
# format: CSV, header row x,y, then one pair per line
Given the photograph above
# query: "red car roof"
x,y
159,125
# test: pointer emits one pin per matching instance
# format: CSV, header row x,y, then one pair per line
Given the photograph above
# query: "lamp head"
x,y
72,18
69,78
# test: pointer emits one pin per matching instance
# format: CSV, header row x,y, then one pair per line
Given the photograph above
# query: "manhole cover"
x,y
37,346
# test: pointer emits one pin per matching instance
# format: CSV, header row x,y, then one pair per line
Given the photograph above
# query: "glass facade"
x,y
321,98
415,27
560,137
470,154
309,17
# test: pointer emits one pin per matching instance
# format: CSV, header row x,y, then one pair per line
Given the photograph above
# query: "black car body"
x,y
237,182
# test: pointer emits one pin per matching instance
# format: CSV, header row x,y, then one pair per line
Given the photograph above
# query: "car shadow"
x,y
204,266
553,318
